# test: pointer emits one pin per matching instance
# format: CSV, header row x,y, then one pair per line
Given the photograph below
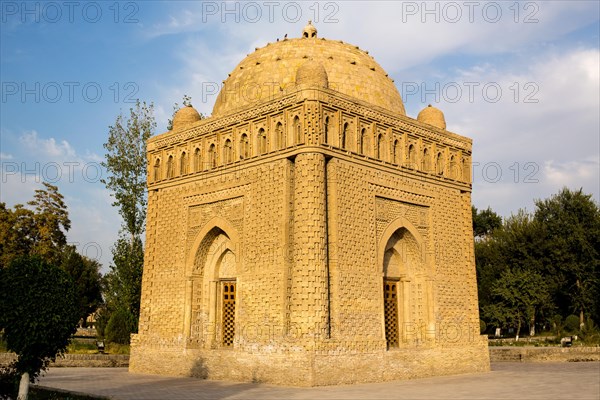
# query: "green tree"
x,y
38,313
85,273
50,218
570,225
17,233
126,165
518,295
484,222
40,230
515,246
124,281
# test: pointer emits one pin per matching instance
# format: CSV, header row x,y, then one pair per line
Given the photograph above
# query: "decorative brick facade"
x,y
275,225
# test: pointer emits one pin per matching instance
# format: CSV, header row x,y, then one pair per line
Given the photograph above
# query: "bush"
x,y
482,326
572,323
9,382
102,318
2,344
589,334
120,326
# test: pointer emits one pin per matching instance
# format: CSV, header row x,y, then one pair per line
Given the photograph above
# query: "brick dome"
x,y
432,116
185,116
271,72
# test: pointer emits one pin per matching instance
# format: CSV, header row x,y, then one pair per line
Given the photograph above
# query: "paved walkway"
x,y
553,381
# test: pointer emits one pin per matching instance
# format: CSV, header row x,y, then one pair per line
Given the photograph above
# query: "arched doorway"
x,y
406,292
213,291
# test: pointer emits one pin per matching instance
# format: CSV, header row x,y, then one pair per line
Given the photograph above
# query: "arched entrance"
x,y
407,304
212,295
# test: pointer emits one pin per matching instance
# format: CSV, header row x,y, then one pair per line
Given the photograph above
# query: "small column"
x,y
187,316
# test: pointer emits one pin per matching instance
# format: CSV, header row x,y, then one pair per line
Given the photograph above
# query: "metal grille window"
x,y
228,320
390,301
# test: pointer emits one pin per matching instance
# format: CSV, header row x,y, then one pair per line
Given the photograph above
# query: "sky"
x,y
521,78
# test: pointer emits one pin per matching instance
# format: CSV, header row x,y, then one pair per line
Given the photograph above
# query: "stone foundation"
x,y
311,368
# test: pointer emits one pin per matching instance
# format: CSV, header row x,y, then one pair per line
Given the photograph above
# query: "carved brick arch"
x,y
406,284
394,226
205,237
212,263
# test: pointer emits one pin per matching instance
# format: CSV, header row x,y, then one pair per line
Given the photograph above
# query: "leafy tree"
x,y
85,273
124,281
38,313
40,230
50,218
518,294
561,243
570,226
126,165
484,222
515,246
17,233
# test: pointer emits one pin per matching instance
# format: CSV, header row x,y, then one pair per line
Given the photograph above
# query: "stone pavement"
x,y
580,380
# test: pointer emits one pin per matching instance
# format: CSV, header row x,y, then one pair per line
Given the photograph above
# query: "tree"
x,y
518,294
570,222
85,273
561,243
39,231
124,281
514,248
50,218
38,313
126,165
484,222
17,233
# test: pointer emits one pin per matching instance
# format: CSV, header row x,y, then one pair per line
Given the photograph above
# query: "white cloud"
x,y
406,34
6,156
94,222
47,147
540,147
571,173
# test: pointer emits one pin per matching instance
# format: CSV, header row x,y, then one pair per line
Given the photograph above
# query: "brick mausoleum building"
x,y
309,232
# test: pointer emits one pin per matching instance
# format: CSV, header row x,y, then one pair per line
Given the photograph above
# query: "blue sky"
x,y
520,78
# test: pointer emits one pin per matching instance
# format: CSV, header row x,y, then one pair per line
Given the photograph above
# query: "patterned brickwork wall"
x,y
307,231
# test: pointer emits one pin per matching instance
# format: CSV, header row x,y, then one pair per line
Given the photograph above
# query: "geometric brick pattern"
x,y
317,246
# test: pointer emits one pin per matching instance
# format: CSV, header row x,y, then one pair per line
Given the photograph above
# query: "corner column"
x,y
309,306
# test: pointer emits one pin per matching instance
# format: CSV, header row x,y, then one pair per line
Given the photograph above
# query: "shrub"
x,y
572,323
482,326
9,382
119,327
102,318
589,334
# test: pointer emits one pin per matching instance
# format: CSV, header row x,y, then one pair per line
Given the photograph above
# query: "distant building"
x,y
309,232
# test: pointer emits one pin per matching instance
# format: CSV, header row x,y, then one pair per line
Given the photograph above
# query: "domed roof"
x,y
272,71
432,116
312,73
185,116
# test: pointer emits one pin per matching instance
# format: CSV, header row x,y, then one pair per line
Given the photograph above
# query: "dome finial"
x,y
309,31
